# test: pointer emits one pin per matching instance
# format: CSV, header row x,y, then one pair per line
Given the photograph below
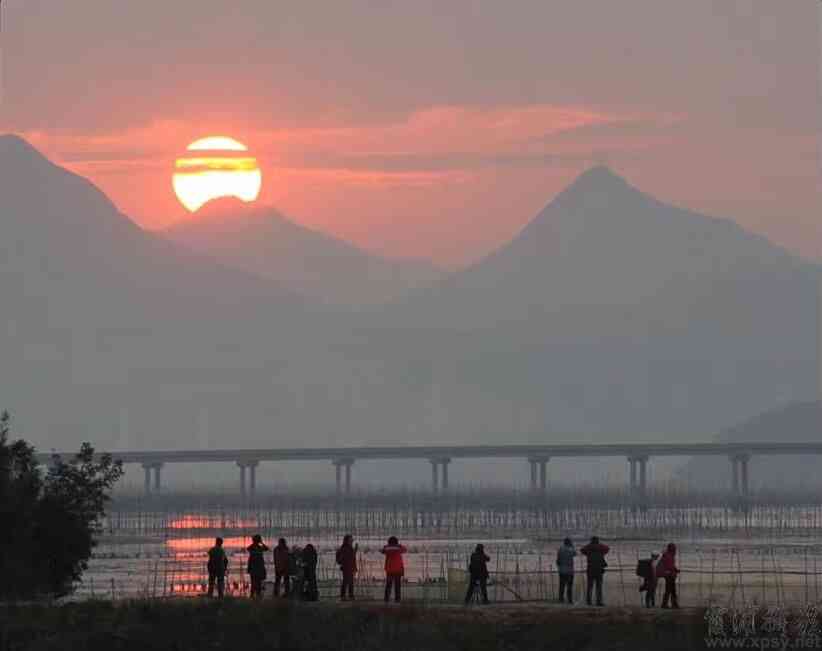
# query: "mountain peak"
x,y
599,177
12,145
223,207
229,214
592,197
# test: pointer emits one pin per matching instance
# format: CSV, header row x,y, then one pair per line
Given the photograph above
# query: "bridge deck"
x,y
457,452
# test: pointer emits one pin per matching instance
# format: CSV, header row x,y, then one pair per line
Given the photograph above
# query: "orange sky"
x,y
435,135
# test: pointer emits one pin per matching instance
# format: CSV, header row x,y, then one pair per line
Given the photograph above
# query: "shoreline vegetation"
x,y
51,516
197,624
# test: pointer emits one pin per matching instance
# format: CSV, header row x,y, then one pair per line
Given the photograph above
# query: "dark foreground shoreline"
x,y
197,624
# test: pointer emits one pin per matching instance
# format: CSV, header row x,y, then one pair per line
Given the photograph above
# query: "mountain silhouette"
x,y
264,242
98,313
610,315
603,245
58,227
614,312
797,422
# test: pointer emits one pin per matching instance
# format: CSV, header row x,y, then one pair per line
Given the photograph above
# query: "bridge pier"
x,y
147,483
739,474
643,480
638,483
439,480
539,467
253,478
248,470
339,464
241,466
734,476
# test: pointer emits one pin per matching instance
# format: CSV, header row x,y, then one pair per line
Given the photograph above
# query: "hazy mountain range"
x,y
321,267
619,313
611,315
798,421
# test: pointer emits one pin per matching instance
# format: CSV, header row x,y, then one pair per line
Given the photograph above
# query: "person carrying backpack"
x,y
667,569
295,571
394,568
595,552
347,560
217,567
478,574
281,573
565,565
646,570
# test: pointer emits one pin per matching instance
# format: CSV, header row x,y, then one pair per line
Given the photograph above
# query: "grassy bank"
x,y
195,624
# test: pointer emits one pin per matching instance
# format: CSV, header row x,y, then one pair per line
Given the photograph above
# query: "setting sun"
x,y
216,166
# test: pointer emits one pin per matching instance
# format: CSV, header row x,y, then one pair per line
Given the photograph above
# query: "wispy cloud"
x,y
421,145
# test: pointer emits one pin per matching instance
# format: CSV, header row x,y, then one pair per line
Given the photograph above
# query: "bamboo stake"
x,y
621,578
806,575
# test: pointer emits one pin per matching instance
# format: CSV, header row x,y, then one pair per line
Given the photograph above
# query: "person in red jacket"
x,y
667,569
347,560
281,568
394,567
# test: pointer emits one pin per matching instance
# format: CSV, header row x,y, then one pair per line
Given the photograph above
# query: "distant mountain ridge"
x,y
603,244
99,315
264,242
614,312
610,314
797,422
58,223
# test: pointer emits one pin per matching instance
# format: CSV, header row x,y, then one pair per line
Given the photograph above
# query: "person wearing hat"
x,y
565,566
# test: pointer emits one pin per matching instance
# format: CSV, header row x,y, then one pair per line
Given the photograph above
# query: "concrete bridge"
x,y
537,456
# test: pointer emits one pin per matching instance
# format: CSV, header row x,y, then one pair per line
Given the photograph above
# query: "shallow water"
x,y
723,569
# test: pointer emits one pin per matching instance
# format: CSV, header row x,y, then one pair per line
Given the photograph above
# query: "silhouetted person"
x,y
347,560
565,565
595,552
646,569
281,573
667,569
295,571
217,567
394,568
478,574
256,565
310,591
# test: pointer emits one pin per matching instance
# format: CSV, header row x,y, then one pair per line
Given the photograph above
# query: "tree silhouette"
x,y
48,521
